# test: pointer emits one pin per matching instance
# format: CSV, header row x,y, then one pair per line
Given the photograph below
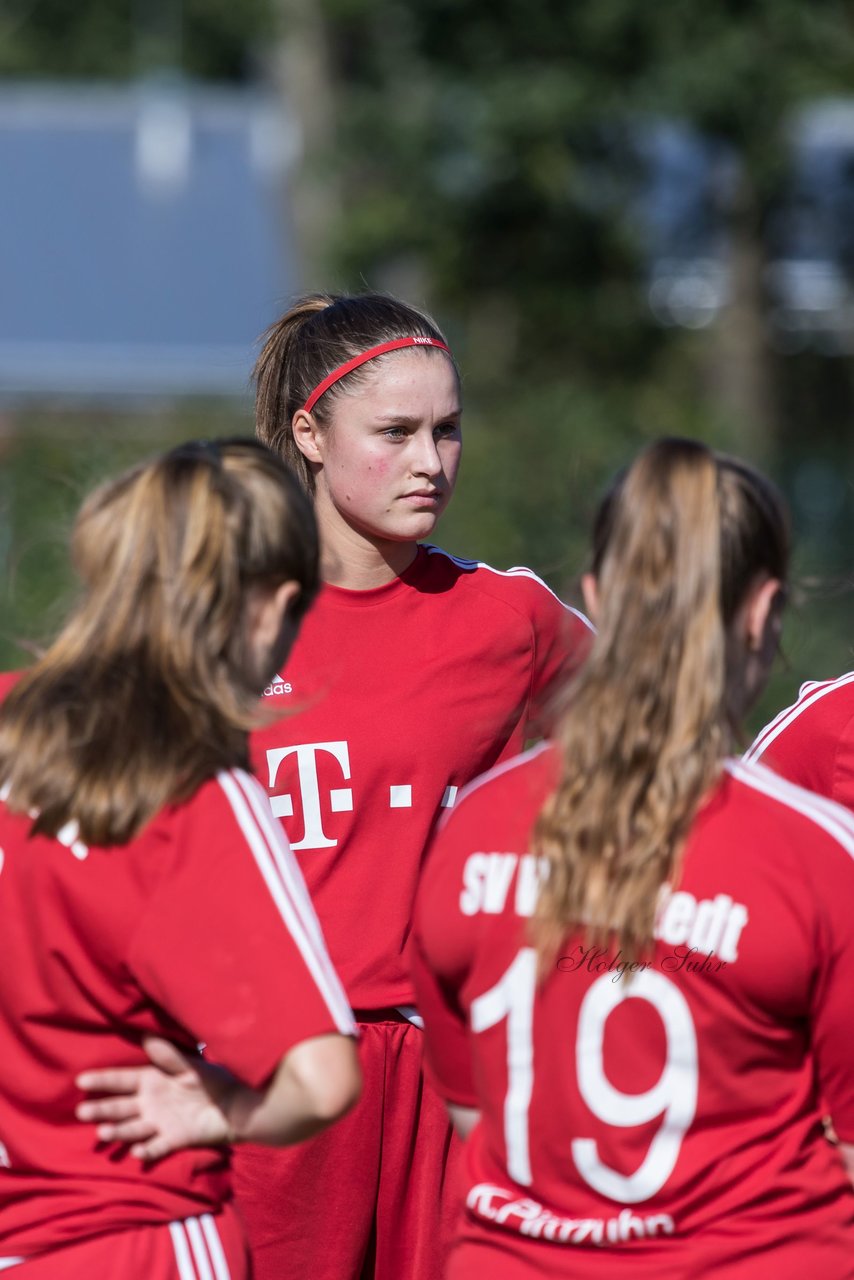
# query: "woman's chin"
x,y
413,528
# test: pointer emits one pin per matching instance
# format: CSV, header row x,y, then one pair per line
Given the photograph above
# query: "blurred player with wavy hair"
x,y
633,952
148,900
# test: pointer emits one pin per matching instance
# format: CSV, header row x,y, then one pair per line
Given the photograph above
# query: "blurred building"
x,y
685,189
681,211
810,273
144,239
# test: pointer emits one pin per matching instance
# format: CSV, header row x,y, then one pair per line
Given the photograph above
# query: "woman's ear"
x,y
590,592
267,610
308,436
764,614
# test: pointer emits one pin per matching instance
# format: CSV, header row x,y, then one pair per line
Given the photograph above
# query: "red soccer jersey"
x,y
399,696
812,742
669,1121
198,930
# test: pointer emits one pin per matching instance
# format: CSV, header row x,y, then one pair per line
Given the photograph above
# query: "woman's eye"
x,y
395,433
446,429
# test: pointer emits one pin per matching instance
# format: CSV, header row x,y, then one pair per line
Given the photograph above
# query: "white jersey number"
x,y
673,1097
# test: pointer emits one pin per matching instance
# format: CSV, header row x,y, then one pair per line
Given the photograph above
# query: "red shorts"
x,y
205,1248
370,1197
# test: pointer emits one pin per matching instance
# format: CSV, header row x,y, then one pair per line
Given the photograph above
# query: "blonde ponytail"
x,y
647,728
284,380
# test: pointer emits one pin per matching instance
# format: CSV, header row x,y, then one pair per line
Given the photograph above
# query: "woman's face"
x,y
387,461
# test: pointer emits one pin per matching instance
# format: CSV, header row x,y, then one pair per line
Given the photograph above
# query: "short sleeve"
x,y
806,757
562,640
439,956
811,743
843,767
229,944
831,1006
447,1052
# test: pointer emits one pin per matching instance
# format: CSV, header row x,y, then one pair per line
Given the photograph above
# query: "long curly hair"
x,y
678,541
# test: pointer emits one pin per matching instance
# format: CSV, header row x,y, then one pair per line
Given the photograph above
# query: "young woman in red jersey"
x,y
414,672
633,954
417,670
145,890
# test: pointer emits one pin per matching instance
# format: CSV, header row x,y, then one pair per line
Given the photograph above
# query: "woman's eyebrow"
x,y
413,420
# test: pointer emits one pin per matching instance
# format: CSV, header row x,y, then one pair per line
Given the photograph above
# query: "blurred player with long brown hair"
x,y
147,896
633,952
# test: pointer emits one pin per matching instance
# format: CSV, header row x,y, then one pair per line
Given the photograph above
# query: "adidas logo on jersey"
x,y
277,687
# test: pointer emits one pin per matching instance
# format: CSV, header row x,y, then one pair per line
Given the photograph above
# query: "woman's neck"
x,y
351,560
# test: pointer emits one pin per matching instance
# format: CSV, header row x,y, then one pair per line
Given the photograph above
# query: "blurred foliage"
x,y
485,169
49,460
480,159
115,39
465,132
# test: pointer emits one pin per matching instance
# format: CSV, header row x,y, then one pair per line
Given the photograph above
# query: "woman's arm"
x,y
186,1102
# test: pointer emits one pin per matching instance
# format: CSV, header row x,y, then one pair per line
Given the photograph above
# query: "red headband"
x,y
370,354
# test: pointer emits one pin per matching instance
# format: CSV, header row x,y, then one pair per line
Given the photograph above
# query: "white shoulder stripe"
x,y
518,572
810,693
292,878
828,815
306,940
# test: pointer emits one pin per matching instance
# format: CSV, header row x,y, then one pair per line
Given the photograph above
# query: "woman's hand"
x,y
185,1102
177,1102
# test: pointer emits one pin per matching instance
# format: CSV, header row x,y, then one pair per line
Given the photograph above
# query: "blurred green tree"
x,y
480,164
475,158
100,39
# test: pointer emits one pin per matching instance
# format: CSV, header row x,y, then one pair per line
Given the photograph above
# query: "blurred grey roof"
x,y
144,238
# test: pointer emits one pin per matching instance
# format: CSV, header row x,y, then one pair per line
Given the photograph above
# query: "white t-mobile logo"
x,y
400,795
340,798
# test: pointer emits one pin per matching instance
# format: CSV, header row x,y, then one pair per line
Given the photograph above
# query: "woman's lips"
x,y
423,497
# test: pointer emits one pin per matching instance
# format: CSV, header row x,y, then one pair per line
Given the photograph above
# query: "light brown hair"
x,y
677,543
147,692
319,333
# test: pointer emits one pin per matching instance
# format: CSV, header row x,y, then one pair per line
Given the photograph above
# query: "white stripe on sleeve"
x,y
518,571
811,692
827,814
288,868
314,957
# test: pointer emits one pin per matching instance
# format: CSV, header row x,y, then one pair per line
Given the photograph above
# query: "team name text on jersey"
x,y
710,925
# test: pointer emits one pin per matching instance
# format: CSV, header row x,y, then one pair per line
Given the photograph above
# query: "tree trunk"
x,y
741,364
301,73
